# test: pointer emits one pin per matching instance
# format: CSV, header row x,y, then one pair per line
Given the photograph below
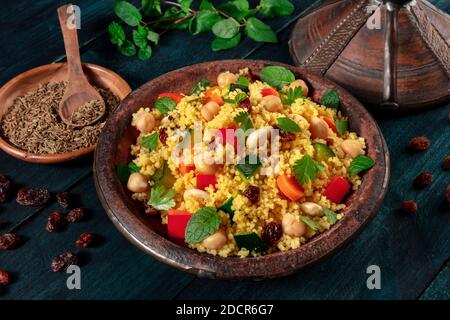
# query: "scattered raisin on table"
x,y
5,188
408,206
9,241
63,261
423,180
150,211
163,135
56,221
64,199
32,197
271,233
252,193
75,215
246,104
4,278
86,240
446,163
419,144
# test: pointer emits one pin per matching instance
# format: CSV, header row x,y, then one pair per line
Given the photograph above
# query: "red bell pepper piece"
x,y
174,96
330,123
269,92
185,168
205,180
228,135
337,189
177,221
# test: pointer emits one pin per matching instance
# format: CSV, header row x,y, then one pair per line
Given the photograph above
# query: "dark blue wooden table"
x,y
412,251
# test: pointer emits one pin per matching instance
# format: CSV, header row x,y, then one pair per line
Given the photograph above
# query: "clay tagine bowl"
x,y
150,235
31,79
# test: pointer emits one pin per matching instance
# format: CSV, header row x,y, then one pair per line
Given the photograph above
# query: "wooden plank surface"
x,y
410,250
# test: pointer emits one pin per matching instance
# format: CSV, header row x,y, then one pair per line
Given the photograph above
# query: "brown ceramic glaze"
x,y
150,235
31,79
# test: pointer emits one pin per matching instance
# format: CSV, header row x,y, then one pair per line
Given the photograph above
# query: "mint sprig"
x,y
203,223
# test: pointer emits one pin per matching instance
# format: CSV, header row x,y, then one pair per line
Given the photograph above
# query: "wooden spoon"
x,y
78,92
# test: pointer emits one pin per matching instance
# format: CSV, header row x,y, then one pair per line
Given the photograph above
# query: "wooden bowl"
x,y
31,79
150,235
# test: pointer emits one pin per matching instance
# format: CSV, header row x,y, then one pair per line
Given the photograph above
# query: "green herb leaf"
x,y
145,53
251,164
153,36
250,241
203,223
161,199
150,141
330,99
206,5
122,172
165,105
226,207
245,123
185,5
140,37
288,125
238,9
224,44
360,163
277,76
275,8
331,216
151,7
127,48
306,169
291,95
133,167
243,81
200,86
128,13
341,126
116,33
259,31
204,21
309,222
159,174
226,28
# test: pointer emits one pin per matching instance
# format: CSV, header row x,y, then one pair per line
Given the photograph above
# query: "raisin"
x,y
284,135
5,188
423,180
63,261
150,211
75,215
271,233
419,144
64,199
246,104
56,221
86,240
32,197
252,193
9,241
163,135
408,206
4,278
446,163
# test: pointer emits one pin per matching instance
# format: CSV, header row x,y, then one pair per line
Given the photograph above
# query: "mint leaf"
x,y
243,81
226,207
200,86
116,33
309,222
204,21
277,76
206,5
306,169
259,31
341,126
288,125
161,199
127,48
275,8
360,163
185,5
203,223
245,123
165,105
291,95
133,167
223,44
145,53
150,141
331,216
151,7
330,99
140,37
238,9
153,36
128,13
250,165
122,172
226,29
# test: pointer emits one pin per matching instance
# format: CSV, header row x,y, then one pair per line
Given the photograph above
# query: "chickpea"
x,y
299,84
226,78
206,168
210,110
272,103
311,209
145,122
352,147
292,226
137,182
318,128
215,241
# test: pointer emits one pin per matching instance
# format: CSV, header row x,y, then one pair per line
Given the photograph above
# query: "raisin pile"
x,y
56,221
64,199
76,215
63,261
271,233
5,188
423,180
86,240
32,197
252,193
9,241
